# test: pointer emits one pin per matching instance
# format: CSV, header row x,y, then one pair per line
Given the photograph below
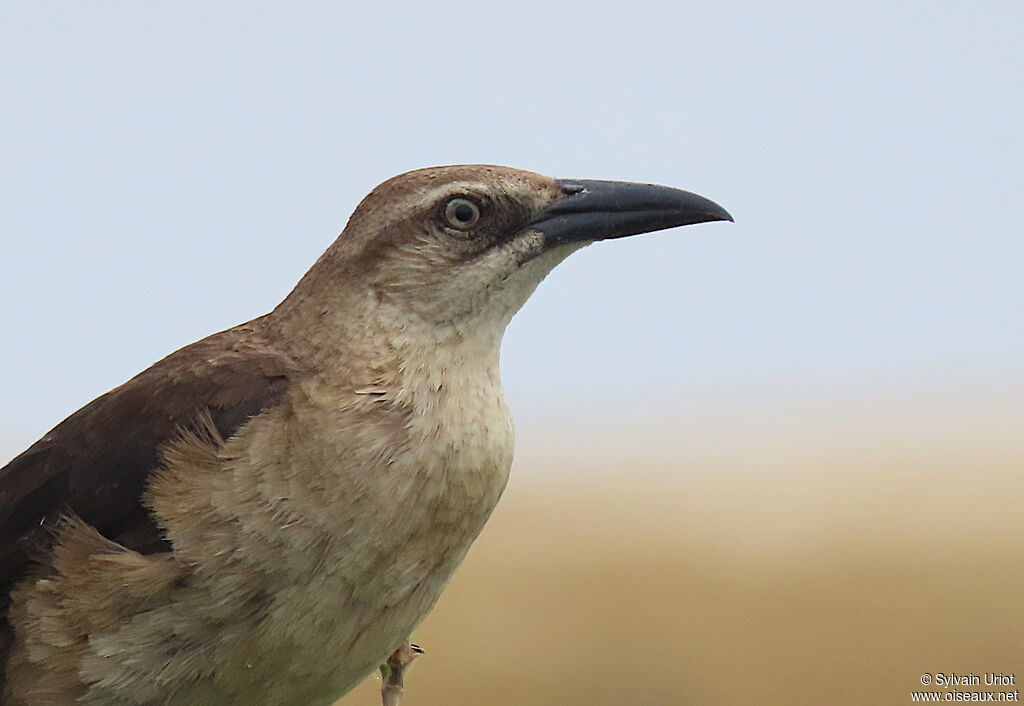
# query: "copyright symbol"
x,y
926,678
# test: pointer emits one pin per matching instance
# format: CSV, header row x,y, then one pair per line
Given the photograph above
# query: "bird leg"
x,y
391,672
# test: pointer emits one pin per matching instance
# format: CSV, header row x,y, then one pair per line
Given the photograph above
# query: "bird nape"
x,y
265,515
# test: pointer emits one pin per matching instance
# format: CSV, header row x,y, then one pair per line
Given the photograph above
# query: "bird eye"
x,y
461,213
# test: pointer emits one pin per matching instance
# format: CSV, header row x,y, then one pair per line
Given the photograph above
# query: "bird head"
x,y
460,249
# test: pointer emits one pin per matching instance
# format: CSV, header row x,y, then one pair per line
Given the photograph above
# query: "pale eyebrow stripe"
x,y
429,197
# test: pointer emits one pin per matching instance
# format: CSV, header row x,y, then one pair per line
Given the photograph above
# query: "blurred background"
x,y
772,462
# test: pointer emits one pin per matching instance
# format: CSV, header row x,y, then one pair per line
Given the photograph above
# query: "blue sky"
x,y
170,171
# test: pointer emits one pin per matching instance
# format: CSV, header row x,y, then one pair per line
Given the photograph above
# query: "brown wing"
x,y
96,463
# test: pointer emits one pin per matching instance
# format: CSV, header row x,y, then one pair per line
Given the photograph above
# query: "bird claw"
x,y
392,672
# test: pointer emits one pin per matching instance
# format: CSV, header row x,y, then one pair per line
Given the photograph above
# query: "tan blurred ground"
x,y
813,557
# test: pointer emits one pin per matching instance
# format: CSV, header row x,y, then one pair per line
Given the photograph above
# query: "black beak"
x,y
601,210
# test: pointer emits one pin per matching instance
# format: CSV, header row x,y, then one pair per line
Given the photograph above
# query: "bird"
x,y
265,515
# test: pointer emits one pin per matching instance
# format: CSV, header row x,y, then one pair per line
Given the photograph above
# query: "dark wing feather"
x,y
97,462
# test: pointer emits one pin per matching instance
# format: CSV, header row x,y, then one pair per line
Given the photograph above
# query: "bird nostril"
x,y
569,188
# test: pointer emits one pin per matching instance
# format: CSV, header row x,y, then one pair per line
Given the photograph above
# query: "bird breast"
x,y
355,517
